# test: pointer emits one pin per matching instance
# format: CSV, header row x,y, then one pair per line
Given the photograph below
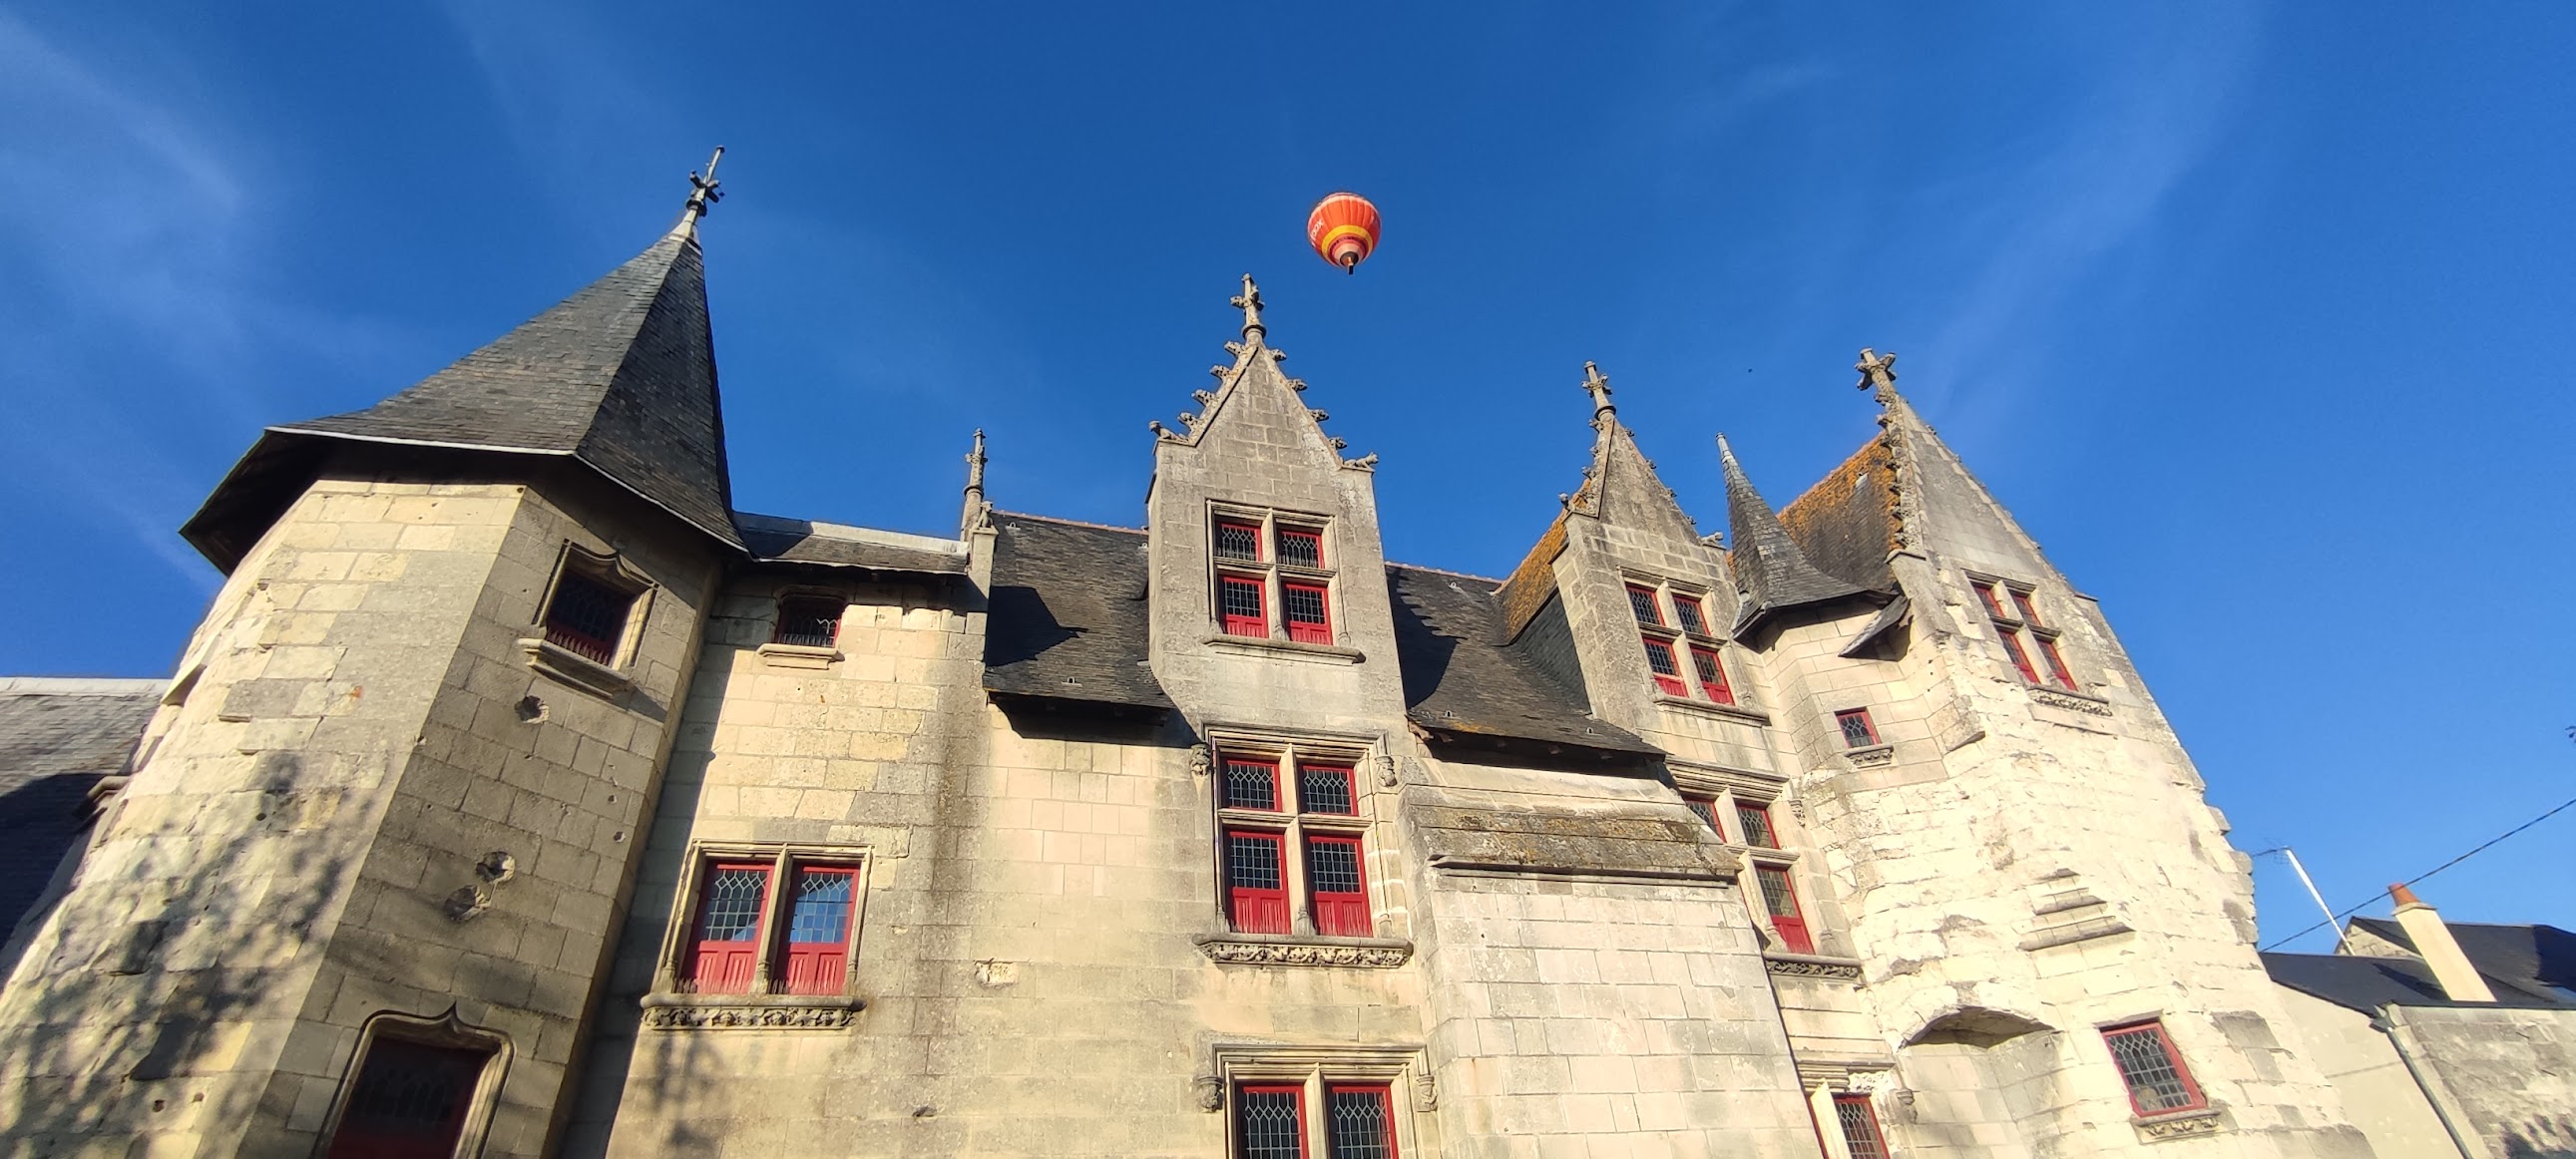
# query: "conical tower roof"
x,y
1772,571
620,377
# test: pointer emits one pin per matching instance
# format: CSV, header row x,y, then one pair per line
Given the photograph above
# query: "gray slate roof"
x,y
58,738
1770,568
2525,966
620,377
1068,614
778,540
1461,678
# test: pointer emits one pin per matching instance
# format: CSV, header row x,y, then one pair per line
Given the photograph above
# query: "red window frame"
x,y
1308,535
1711,671
1257,909
728,965
2029,613
1994,606
1225,791
1339,913
1746,813
821,966
587,616
1791,926
382,1124
2056,663
1319,772
2020,658
1251,531
1859,1122
1318,631
1651,611
1256,624
1336,1143
1296,1093
1670,681
1706,807
2193,1099
1692,614
1868,728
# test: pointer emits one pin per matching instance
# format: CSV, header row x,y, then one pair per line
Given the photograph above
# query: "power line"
x,y
2374,898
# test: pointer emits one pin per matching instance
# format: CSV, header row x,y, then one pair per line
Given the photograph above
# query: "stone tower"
x,y
390,807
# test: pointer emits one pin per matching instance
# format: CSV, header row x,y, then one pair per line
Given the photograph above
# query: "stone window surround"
x,y
2204,1116
566,666
1729,665
1402,1069
448,1030
779,655
1827,1082
671,1006
1723,788
1274,573
1371,775
2079,684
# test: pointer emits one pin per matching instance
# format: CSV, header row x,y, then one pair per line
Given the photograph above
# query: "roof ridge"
x,y
1486,579
999,512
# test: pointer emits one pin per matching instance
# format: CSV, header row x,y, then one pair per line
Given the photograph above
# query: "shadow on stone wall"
x,y
2542,1138
143,995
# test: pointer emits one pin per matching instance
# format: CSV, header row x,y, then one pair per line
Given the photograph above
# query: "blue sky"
x,y
2252,313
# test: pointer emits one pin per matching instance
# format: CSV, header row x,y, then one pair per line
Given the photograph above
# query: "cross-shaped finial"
x,y
1876,369
703,194
1599,386
1249,301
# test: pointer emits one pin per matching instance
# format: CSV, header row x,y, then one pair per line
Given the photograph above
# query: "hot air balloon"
x,y
1343,229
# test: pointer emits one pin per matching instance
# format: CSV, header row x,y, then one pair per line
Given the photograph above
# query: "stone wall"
x,y
2510,1072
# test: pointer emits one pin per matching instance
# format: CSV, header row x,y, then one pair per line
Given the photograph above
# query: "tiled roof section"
x,y
1068,614
621,376
777,540
57,739
1460,676
1530,584
2366,984
1770,568
1847,523
2539,961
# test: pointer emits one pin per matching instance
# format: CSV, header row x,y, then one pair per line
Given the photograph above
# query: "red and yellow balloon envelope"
x,y
1343,229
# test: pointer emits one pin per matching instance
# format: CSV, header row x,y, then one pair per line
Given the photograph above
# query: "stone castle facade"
x,y
519,796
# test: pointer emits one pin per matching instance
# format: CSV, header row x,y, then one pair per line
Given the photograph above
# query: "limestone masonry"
x,y
519,796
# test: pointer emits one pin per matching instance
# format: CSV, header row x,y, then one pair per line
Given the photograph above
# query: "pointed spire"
x,y
1598,384
1769,567
703,196
1249,301
1879,371
975,505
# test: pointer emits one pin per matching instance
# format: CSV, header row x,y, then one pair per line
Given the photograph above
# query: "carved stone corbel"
x,y
1201,760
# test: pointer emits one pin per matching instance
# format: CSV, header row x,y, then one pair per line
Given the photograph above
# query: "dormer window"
x,y
1683,663
1272,576
2015,615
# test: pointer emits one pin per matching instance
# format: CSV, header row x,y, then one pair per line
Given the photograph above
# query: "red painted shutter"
x,y
1339,885
818,930
1256,879
1244,605
725,954
1781,900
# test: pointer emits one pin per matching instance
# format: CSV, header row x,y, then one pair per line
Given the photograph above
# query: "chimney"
x,y
2459,980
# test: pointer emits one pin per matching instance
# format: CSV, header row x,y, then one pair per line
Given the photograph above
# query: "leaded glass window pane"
x,y
1252,862
1776,897
1356,1118
1301,548
1857,733
1238,541
1243,598
1642,602
1687,607
408,1097
1305,604
1659,656
1251,785
1325,789
734,898
1860,1127
1333,866
820,912
1268,1126
2155,1081
1756,821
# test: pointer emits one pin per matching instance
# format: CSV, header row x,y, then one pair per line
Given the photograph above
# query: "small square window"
x,y
1641,600
587,616
1301,547
1859,1122
1238,541
1269,1122
1756,822
1326,789
2158,1082
2029,614
2056,661
1994,605
1858,732
1687,607
808,621
1251,784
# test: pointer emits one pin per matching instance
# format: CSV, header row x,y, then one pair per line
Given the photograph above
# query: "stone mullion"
x,y
1301,902
773,932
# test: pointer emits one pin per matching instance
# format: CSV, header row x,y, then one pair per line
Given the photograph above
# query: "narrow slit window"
x,y
2158,1082
725,956
1712,675
1858,732
808,621
1308,621
1251,784
410,1099
1362,1121
1334,876
587,617
1268,1122
1859,1122
1255,882
1326,789
818,930
1667,671
1780,900
1301,547
1641,600
1238,541
1756,823
1244,607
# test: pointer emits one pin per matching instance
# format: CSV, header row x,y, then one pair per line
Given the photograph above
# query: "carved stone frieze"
x,y
746,1016
1871,757
2070,701
2191,1125
1234,952
1803,968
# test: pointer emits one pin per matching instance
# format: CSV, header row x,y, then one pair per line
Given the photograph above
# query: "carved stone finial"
x,y
1160,432
1220,371
1249,301
1204,396
1877,370
1338,442
1367,461
1598,385
1320,416
703,195
1297,384
1189,418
